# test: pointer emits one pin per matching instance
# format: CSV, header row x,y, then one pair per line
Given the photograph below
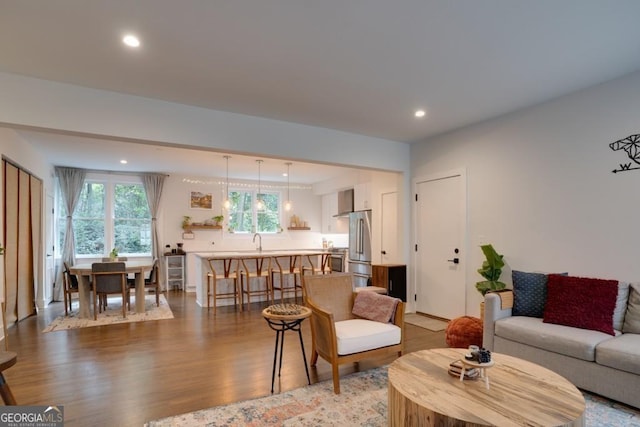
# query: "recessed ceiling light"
x,y
285,174
123,161
131,40
420,114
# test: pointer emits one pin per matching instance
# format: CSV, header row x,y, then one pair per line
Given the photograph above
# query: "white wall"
x,y
540,186
20,152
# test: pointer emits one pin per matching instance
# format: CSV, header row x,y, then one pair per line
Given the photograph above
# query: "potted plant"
x,y
186,221
113,254
218,219
491,271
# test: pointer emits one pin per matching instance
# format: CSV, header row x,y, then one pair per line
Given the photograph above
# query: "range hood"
x,y
345,203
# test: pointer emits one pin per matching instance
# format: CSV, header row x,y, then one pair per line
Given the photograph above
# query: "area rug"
x,y
362,402
113,315
434,325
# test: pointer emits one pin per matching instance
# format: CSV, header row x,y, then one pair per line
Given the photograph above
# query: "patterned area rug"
x,y
362,402
425,322
113,314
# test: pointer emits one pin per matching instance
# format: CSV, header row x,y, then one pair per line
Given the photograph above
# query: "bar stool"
x,y
227,274
260,271
322,268
286,266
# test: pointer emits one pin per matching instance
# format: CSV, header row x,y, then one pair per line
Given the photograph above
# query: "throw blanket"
x,y
373,306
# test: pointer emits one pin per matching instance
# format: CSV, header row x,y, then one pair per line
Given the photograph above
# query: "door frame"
x,y
462,172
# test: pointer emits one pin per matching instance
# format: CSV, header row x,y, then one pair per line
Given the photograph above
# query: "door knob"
x,y
455,260
383,252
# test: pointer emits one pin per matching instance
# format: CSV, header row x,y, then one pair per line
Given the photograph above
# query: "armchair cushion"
x,y
356,335
373,306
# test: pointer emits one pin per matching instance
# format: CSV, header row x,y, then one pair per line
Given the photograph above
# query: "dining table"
x,y
83,272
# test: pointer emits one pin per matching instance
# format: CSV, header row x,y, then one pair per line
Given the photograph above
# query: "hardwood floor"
x,y
129,374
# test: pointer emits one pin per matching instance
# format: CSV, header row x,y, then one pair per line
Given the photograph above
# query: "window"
x,y
243,213
109,214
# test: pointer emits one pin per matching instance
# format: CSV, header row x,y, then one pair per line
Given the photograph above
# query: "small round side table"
x,y
281,318
470,364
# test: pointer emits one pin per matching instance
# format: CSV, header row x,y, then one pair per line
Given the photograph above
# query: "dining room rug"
x,y
425,322
362,402
113,314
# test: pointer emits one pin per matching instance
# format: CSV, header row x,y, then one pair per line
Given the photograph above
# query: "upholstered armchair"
x,y
338,335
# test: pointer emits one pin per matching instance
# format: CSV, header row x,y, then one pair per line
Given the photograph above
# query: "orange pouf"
x,y
464,331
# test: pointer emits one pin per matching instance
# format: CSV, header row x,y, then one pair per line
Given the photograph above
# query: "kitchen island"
x,y
202,263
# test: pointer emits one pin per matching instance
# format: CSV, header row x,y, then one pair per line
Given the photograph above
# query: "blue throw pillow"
x,y
529,293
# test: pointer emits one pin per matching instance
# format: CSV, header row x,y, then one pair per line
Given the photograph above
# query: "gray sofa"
x,y
594,361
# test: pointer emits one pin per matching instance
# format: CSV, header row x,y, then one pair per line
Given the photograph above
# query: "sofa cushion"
x,y
620,353
573,342
632,316
621,305
529,293
581,302
356,335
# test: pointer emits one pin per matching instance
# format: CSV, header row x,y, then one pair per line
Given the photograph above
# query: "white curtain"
x,y
153,183
71,181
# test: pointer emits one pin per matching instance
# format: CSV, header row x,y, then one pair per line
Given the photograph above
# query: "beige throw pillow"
x,y
632,317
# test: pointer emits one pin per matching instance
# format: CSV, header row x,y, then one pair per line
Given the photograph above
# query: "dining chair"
x,y
109,278
7,360
257,268
286,267
70,283
226,274
315,266
152,281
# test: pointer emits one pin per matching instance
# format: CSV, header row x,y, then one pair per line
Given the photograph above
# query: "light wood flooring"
x,y
128,374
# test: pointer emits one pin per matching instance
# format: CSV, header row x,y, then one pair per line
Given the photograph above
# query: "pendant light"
x,y
227,202
259,202
287,203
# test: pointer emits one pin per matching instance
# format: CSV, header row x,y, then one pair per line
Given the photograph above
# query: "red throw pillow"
x,y
581,302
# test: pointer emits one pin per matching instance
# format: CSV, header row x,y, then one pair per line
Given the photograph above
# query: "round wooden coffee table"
x,y
422,393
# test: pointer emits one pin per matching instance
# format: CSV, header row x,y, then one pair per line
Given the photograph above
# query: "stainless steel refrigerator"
x,y
360,246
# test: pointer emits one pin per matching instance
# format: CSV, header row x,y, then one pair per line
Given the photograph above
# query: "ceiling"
x,y
360,66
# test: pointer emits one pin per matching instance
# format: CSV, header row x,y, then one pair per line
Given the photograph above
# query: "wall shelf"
x,y
202,227
298,228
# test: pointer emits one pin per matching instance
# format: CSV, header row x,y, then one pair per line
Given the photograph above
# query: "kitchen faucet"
x,y
260,241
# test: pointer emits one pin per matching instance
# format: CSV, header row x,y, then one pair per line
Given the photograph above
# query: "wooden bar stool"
x,y
227,274
322,268
286,266
255,268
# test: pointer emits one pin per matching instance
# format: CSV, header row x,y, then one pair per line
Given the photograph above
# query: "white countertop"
x,y
255,253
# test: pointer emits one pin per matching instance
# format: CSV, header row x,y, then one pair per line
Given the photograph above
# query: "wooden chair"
x,y
70,283
7,360
258,272
285,267
323,265
213,276
152,281
109,278
330,298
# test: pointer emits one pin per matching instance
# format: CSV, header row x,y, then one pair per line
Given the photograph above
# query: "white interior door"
x,y
440,257
389,241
